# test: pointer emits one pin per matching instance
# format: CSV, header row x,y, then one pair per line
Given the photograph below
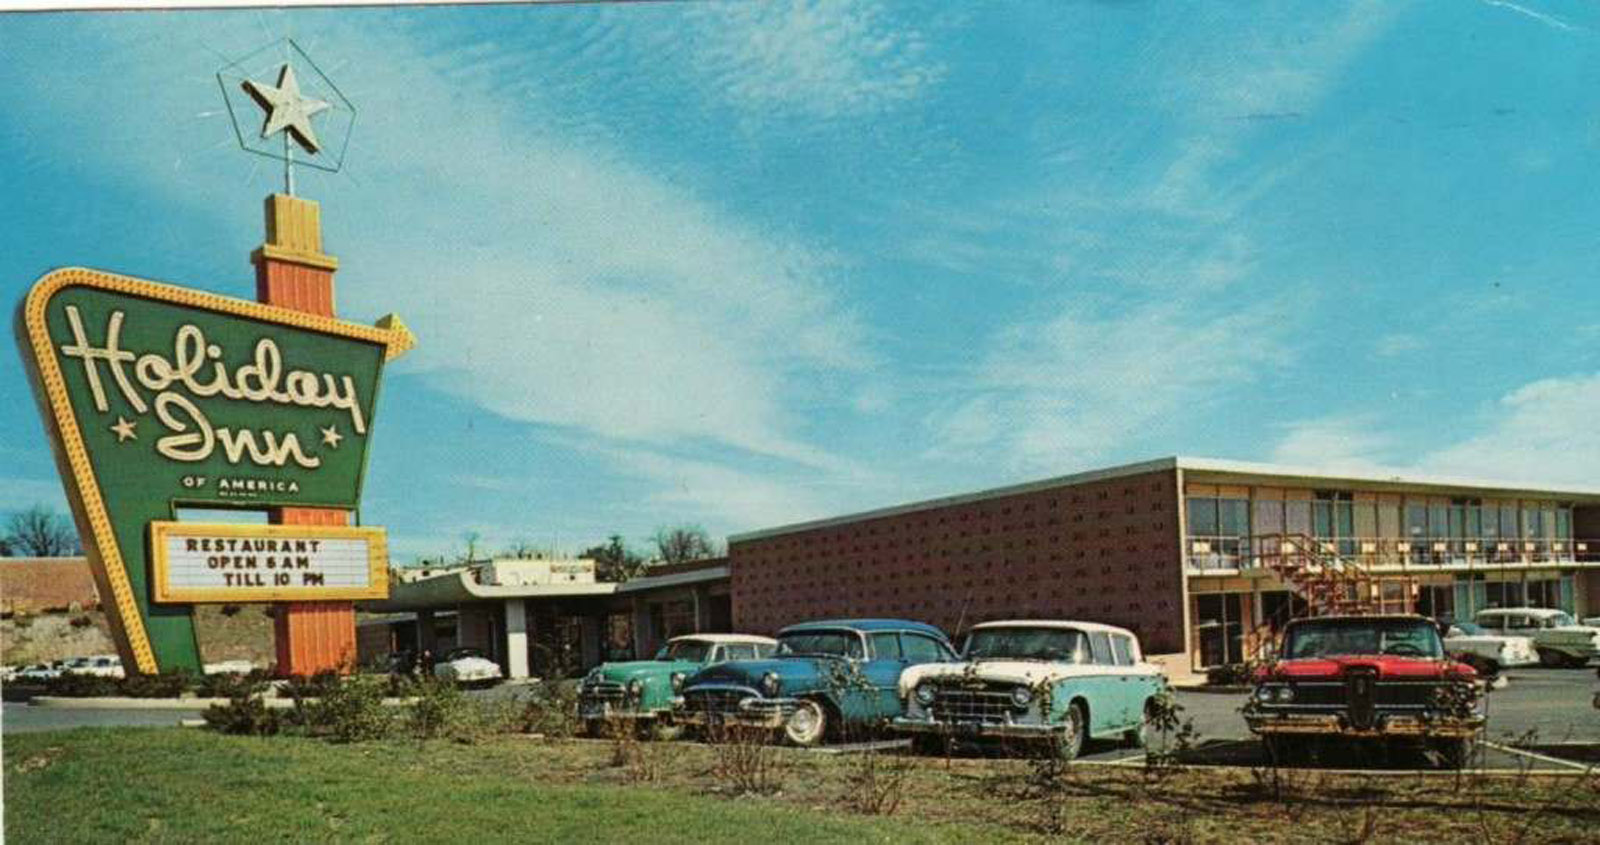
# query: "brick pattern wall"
x,y
1102,551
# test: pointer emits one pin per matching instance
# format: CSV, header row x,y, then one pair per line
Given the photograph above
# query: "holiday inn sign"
x,y
160,398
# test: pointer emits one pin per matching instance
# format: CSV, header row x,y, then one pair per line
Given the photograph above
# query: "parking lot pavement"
x,y
22,718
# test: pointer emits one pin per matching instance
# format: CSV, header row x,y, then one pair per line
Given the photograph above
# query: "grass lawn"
x,y
191,785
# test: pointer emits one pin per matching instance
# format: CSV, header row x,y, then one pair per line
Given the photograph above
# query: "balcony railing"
x,y
1203,553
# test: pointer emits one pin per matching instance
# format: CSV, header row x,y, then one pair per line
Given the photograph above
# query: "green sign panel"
x,y
162,398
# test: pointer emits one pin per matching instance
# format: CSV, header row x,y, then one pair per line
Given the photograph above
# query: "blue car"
x,y
827,678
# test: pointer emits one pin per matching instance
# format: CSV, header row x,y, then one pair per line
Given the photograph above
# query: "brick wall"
x,y
32,585
1102,551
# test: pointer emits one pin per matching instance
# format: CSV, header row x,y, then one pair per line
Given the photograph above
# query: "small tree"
x,y
40,532
614,561
681,543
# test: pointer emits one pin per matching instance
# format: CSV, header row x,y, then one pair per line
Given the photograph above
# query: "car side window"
x,y
885,645
1518,622
738,652
1122,649
763,651
1100,647
920,649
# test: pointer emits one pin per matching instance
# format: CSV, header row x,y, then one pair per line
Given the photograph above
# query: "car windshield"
x,y
460,653
1558,620
693,651
823,643
1400,638
1468,629
1056,644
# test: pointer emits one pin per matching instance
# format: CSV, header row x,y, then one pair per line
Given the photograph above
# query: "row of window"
x,y
1335,515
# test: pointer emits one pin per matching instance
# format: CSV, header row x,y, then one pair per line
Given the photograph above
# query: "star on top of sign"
x,y
124,430
287,109
331,436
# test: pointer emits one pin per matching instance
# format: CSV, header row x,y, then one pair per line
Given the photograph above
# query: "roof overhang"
x,y
458,588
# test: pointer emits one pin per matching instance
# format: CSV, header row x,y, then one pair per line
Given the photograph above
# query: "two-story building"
x,y
1190,553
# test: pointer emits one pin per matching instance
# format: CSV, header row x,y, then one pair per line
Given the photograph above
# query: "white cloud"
x,y
1352,443
1070,390
1543,431
811,58
549,278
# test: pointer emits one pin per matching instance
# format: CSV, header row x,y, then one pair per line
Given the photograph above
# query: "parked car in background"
x,y
100,665
467,666
40,672
1381,678
229,667
1055,682
1487,651
828,678
642,691
1559,640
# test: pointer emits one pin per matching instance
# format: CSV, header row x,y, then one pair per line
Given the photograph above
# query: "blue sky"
x,y
740,264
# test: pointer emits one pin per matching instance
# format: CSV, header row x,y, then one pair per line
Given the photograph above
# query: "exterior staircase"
x,y
1327,584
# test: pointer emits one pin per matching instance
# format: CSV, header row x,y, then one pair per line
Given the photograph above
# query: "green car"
x,y
640,692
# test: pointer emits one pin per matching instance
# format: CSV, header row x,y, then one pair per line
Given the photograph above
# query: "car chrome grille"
x,y
1384,694
714,700
990,706
608,692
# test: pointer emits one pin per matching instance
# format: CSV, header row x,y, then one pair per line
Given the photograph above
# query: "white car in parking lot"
x,y
1487,651
1559,640
466,666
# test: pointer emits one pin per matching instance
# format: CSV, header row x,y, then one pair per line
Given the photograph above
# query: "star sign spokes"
x,y
287,109
125,430
331,436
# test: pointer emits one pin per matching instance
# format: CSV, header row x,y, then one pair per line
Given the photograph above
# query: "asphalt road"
x,y
22,718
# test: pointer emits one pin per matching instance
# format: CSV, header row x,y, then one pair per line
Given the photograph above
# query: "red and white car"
x,y
1380,678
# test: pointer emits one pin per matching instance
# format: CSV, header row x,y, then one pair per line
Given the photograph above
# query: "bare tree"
x,y
40,532
613,560
680,543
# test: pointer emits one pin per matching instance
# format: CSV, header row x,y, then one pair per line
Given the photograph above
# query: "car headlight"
x,y
635,687
924,693
677,681
1021,696
1285,694
770,683
1265,694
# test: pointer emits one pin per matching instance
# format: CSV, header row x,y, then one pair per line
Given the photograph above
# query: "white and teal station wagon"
x,y
1049,681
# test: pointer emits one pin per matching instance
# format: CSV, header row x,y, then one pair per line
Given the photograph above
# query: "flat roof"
x,y
1216,470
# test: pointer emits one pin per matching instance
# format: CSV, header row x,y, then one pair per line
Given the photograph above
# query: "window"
x,y
739,651
1333,518
885,645
1222,522
1122,650
921,649
1100,647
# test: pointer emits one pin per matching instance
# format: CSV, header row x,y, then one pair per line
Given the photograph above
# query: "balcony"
x,y
1224,555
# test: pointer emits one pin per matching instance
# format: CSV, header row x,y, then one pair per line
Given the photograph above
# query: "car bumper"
x,y
751,712
976,730
596,710
1329,724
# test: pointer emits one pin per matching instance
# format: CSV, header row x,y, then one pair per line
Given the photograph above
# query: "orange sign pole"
x,y
293,272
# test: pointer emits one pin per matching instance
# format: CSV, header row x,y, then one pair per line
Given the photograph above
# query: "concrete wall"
x,y
1103,551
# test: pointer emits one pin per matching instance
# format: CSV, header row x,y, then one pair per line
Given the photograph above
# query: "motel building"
x,y
1197,556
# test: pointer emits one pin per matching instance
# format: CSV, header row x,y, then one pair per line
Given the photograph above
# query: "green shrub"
x,y
551,709
351,711
246,715
74,685
230,685
443,711
315,686
164,685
